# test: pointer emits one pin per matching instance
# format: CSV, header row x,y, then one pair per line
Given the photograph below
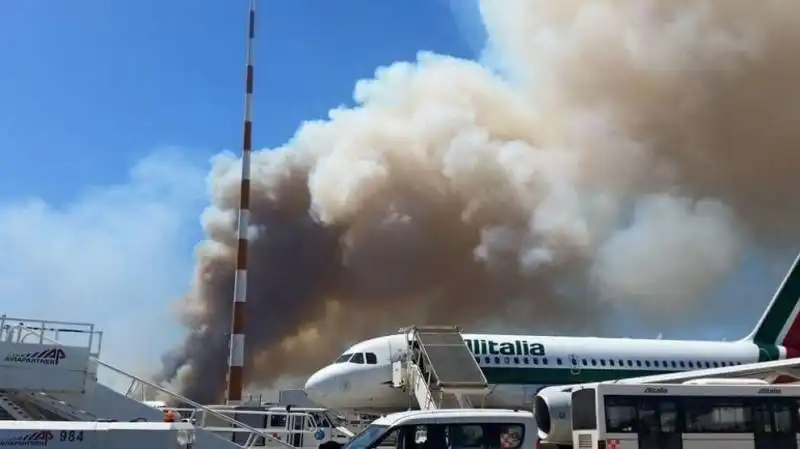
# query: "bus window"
x,y
784,416
620,414
649,421
762,417
718,415
668,414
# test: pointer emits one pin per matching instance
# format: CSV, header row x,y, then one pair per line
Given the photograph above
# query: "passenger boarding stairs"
x,y
49,372
439,370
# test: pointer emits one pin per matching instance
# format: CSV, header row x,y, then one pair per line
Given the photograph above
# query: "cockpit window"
x,y
372,359
343,358
357,358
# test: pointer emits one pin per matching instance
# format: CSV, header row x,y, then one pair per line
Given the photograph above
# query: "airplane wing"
x,y
759,370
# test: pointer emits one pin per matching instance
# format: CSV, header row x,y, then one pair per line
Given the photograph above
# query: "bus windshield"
x,y
368,436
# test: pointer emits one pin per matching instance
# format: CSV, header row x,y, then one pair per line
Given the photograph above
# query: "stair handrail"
x,y
24,330
423,356
209,411
206,410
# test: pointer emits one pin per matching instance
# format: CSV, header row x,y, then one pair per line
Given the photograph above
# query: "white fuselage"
x,y
516,366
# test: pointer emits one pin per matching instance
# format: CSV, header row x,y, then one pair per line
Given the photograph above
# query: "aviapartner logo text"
x,y
46,357
40,438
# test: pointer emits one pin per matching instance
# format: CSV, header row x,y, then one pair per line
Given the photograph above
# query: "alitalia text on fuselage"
x,y
519,347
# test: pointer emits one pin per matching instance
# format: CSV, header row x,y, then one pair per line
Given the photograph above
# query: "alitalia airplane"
x,y
517,366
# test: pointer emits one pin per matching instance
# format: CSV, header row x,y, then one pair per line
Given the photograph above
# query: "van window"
x,y
372,436
372,359
465,436
357,358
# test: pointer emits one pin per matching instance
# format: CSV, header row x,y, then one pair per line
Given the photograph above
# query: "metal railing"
x,y
254,432
26,330
20,332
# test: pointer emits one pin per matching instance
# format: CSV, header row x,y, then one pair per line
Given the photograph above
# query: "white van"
x,y
449,429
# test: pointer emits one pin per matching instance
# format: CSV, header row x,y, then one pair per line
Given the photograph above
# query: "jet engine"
x,y
551,409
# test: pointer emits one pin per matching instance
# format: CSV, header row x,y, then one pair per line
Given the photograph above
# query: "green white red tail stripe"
x,y
780,325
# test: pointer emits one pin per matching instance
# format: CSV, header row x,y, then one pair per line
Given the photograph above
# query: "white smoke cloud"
x,y
115,255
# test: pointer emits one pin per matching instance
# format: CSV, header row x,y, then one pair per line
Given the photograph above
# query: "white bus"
x,y
660,416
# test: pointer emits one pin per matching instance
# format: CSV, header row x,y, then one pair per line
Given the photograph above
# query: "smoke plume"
x,y
621,153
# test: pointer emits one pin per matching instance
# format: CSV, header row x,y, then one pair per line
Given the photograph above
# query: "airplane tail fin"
x,y
780,324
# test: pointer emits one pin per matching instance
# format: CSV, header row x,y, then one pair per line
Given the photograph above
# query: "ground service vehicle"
x,y
449,428
664,416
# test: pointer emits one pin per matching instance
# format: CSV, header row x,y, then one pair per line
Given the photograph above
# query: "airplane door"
x,y
574,363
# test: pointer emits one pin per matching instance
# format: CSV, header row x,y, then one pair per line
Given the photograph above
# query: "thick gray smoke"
x,y
629,151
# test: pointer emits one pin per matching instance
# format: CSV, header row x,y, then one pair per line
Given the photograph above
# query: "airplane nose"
x,y
314,387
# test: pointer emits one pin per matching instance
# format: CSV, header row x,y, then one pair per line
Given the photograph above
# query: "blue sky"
x,y
112,109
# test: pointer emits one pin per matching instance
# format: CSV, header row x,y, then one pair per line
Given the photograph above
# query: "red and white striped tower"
x,y
236,354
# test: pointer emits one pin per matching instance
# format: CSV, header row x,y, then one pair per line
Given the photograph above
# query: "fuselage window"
x,y
611,362
674,365
584,362
506,360
594,362
525,360
544,361
691,365
630,362
497,360
621,363
372,359
516,360
535,361
574,361
655,363
602,362
639,363
647,363
558,361
487,360
683,365
358,358
716,365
